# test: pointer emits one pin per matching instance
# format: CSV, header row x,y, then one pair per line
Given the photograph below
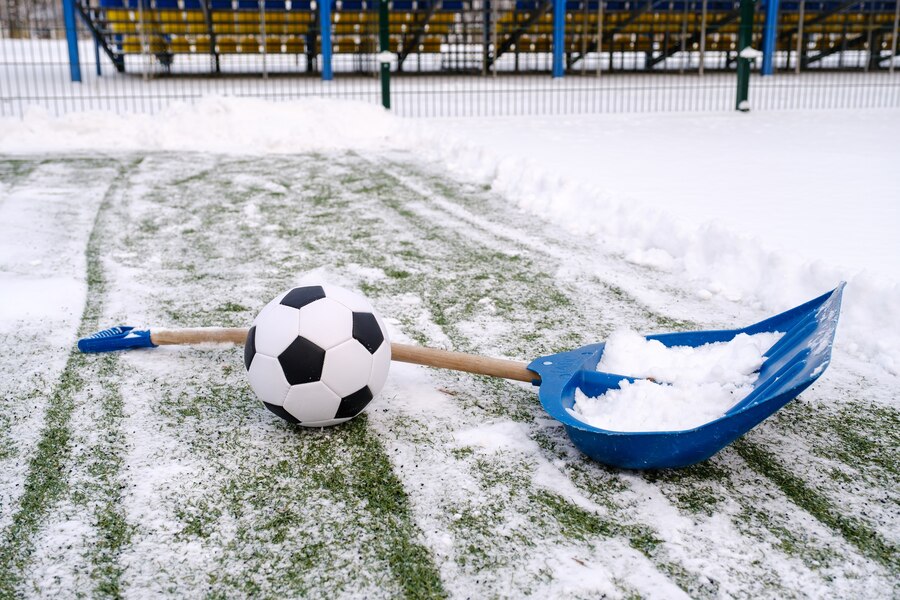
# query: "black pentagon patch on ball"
x,y
366,331
302,361
250,347
353,404
301,296
279,410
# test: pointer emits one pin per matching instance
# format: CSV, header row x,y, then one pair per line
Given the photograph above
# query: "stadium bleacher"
x,y
169,28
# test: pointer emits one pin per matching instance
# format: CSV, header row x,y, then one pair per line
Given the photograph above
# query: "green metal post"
x,y
745,37
384,48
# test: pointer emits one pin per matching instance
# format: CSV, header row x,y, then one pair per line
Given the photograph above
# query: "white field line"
x,y
45,222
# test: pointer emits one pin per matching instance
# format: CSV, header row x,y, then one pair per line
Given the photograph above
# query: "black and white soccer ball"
x,y
317,354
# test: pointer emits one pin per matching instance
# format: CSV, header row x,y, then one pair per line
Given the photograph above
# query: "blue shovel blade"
x,y
793,364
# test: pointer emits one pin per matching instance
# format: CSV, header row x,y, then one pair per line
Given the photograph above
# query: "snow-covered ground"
x,y
155,472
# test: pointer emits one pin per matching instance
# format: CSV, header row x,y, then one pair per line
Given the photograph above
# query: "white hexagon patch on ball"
x,y
317,356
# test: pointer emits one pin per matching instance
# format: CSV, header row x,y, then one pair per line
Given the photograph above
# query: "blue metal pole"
x,y
97,56
325,32
72,39
770,36
559,35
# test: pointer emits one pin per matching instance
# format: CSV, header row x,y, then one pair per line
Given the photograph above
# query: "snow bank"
x,y
213,124
707,258
692,386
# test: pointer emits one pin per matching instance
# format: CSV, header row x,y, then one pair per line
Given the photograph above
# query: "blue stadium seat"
x,y
353,5
402,5
452,4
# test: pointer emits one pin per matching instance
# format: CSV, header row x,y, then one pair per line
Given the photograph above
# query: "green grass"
x,y
853,530
45,482
384,496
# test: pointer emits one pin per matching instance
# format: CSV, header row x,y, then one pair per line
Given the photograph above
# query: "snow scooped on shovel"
x,y
791,365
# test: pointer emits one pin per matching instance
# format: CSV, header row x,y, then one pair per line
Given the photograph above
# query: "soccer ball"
x,y
317,354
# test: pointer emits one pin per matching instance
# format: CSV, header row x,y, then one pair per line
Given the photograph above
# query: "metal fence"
x,y
448,57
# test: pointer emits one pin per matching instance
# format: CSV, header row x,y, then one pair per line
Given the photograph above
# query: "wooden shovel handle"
x,y
199,335
429,357
457,361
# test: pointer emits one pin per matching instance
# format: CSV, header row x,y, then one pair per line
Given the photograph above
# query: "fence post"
x,y
798,61
97,56
770,37
745,36
485,36
325,34
72,39
384,56
559,34
894,36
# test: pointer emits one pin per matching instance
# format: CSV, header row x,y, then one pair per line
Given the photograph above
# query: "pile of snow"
x,y
690,386
803,207
215,124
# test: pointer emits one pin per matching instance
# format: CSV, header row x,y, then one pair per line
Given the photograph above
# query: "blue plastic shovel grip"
x,y
122,337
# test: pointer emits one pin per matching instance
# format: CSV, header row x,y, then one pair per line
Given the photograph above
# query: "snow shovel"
x,y
792,364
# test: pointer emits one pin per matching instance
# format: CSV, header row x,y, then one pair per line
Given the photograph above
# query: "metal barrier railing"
x,y
453,56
